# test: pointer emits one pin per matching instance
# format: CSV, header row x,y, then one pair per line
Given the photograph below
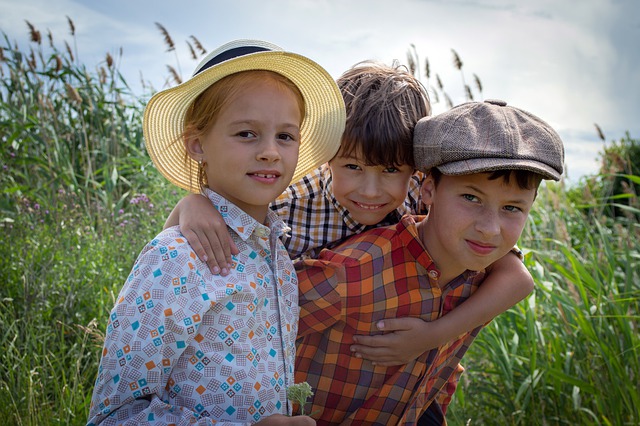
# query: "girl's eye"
x,y
391,169
513,209
352,166
246,134
286,137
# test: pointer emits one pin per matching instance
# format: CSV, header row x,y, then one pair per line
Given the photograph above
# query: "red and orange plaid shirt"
x,y
382,273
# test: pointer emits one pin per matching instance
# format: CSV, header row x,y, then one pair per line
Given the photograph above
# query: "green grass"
x,y
570,353
74,215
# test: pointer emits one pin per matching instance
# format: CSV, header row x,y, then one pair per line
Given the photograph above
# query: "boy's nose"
x,y
487,223
370,186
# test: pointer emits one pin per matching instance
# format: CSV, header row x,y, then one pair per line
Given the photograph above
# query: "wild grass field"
x,y
79,198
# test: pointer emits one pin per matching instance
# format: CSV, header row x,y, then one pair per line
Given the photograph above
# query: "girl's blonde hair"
x,y
203,112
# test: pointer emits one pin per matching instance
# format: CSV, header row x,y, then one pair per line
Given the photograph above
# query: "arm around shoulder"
x,y
205,230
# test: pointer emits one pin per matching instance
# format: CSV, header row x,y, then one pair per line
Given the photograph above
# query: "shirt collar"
x,y
242,223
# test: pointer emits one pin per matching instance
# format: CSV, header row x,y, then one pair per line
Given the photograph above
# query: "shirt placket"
x,y
269,241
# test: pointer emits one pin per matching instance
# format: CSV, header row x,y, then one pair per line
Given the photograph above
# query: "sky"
x,y
572,63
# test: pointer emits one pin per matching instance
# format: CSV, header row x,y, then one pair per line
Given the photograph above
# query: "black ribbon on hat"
x,y
230,54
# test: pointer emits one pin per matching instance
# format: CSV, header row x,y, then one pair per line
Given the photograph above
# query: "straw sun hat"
x,y
321,129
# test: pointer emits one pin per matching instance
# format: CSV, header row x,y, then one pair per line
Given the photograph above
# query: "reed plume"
x,y
109,60
174,74
72,27
69,51
31,61
167,37
50,37
411,63
600,133
198,45
73,94
34,34
457,62
476,79
467,89
193,52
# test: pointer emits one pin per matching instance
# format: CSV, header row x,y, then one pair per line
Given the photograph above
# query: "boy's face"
x,y
369,192
252,149
473,221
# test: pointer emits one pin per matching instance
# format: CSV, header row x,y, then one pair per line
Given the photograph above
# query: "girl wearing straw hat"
x,y
184,346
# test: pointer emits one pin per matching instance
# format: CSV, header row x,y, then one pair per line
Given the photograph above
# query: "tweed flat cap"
x,y
486,136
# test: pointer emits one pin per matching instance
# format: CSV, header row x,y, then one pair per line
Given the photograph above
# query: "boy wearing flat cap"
x,y
484,162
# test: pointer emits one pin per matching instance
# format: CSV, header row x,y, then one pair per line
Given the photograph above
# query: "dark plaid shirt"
x,y
381,273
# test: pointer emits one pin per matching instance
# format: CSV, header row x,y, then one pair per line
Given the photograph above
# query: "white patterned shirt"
x,y
186,347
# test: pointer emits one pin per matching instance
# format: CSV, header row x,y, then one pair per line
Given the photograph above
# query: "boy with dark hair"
x,y
483,163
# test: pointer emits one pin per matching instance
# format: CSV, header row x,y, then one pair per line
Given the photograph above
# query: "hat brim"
x,y
480,165
320,132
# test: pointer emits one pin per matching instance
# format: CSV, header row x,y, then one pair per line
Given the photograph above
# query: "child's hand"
x,y
207,233
405,339
279,419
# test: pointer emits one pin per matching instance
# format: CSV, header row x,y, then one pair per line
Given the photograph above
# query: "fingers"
x,y
372,341
196,244
210,249
279,419
218,252
378,356
396,324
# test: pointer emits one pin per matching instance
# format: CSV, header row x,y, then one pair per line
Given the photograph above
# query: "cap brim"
x,y
479,165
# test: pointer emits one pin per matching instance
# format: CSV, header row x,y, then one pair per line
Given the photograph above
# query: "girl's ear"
x,y
193,147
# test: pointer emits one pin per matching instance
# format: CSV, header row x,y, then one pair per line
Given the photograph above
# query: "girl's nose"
x,y
269,150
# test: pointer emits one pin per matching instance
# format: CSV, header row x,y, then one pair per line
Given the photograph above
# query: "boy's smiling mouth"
x,y
369,206
480,248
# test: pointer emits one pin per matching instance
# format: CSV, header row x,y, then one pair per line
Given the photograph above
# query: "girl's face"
x,y
251,151
370,193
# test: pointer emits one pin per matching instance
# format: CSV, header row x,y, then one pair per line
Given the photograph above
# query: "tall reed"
x,y
64,126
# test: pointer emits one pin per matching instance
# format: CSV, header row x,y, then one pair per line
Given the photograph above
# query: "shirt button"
x,y
434,274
